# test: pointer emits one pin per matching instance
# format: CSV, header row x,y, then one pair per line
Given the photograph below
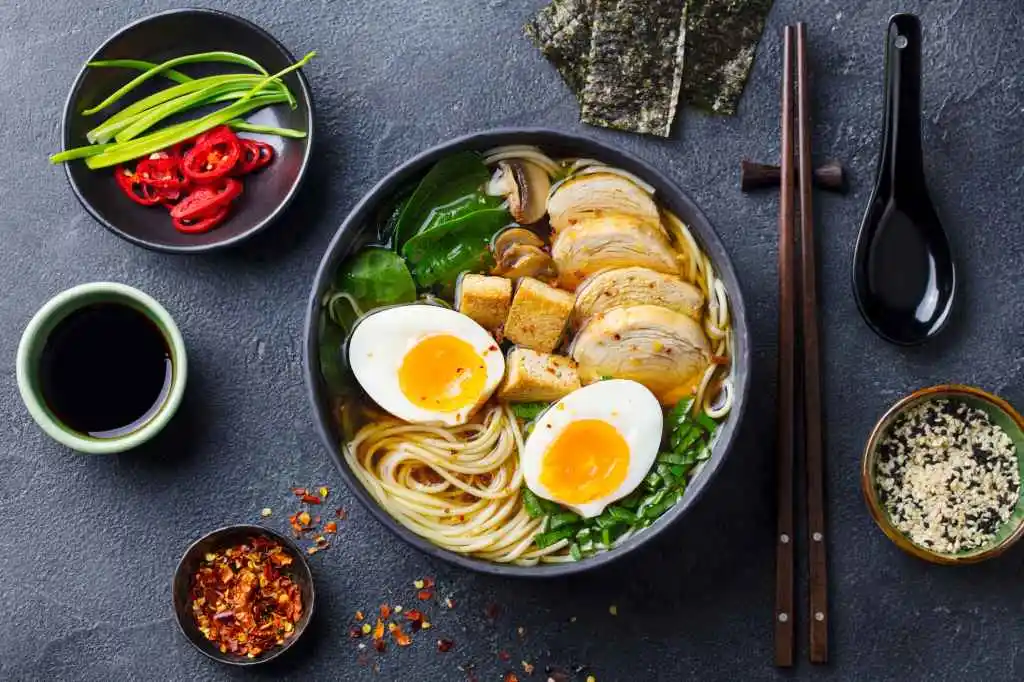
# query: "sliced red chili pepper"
x,y
249,158
138,191
206,199
201,224
163,172
213,156
266,155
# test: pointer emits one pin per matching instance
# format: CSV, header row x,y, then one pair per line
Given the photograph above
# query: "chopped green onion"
x,y
665,472
528,411
583,534
707,422
142,65
545,540
564,519
574,552
621,514
532,504
246,127
678,471
653,481
219,56
673,458
704,454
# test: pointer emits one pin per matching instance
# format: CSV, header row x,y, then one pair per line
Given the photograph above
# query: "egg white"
x,y
627,406
380,341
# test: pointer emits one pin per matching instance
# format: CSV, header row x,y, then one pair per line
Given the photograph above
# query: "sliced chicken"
x,y
635,286
662,349
611,241
587,196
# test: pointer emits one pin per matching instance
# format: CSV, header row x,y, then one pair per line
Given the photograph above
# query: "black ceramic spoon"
x,y
904,279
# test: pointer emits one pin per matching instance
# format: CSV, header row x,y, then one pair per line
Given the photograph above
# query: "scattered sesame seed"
x,y
265,512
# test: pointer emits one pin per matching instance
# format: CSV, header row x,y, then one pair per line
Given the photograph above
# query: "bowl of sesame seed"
x,y
942,474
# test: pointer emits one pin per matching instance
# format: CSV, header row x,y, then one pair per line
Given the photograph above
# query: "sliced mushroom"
x,y
664,350
525,185
588,196
525,260
516,235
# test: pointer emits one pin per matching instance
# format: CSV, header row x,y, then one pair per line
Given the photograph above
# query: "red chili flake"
x,y
310,499
424,595
450,603
330,527
413,615
355,632
445,645
378,636
385,611
359,615
401,639
492,611
527,667
300,492
504,655
305,519
511,677
341,513
428,582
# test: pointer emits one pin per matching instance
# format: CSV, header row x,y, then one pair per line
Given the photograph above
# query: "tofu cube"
x,y
538,315
485,299
532,376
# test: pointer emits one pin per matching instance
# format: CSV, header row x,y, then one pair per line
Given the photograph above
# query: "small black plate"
x,y
221,539
164,36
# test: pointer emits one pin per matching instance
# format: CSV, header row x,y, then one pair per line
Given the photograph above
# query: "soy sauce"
x,y
105,370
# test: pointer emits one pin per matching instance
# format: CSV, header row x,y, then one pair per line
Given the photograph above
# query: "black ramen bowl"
x,y
358,230
222,538
158,38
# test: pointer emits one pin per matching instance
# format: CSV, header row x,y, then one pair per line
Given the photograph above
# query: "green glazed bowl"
x,y
38,331
1003,415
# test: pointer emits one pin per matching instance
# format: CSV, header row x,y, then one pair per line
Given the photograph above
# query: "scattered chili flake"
x,y
504,655
313,550
450,603
428,582
310,499
445,645
418,584
330,527
341,513
321,540
413,615
392,627
511,677
401,639
366,628
426,625
355,632
492,611
242,602
323,492
378,636
359,615
527,667
266,511
299,492
305,519
424,595
385,611
521,631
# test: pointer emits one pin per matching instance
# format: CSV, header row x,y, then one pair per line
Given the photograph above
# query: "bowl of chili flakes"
x,y
243,594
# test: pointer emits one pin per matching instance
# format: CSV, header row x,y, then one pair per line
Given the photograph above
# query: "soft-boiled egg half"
x,y
425,364
594,446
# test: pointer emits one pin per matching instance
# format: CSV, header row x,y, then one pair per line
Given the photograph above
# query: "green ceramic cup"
x,y
33,340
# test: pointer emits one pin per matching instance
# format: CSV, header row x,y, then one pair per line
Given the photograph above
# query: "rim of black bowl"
x,y
670,195
306,578
304,94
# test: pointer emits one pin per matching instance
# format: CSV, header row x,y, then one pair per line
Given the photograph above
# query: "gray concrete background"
x,y
88,544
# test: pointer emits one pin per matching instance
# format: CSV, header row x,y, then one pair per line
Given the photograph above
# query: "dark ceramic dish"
x,y
357,231
164,36
221,539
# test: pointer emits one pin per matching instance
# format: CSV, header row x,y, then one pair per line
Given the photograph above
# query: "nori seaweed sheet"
x,y
636,65
721,38
562,33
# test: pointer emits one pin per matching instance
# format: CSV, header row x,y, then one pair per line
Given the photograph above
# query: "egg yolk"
x,y
442,373
588,460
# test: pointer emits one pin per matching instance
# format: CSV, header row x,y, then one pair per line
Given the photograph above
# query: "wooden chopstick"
x,y
816,561
784,568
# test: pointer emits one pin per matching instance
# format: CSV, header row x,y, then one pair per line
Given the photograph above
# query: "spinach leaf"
x,y
376,277
529,411
451,178
438,256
